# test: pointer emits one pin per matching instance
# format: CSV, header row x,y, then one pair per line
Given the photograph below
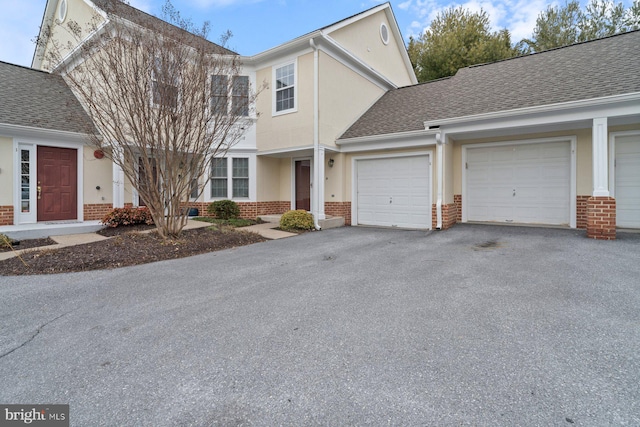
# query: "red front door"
x,y
57,183
303,184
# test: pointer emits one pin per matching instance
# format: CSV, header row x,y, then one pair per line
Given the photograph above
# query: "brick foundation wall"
x,y
457,200
6,215
93,212
449,216
248,210
273,208
581,211
342,209
601,218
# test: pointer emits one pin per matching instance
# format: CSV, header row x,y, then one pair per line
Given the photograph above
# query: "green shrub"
x,y
127,216
224,209
296,220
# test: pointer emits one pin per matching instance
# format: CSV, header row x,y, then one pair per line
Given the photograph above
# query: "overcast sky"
x,y
258,25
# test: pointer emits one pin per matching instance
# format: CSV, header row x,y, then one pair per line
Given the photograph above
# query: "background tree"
x,y
457,38
148,89
564,25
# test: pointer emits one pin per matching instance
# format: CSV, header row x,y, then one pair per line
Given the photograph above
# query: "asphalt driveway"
x,y
478,325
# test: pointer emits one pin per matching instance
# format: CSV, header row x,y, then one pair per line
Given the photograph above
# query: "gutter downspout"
x,y
316,138
440,165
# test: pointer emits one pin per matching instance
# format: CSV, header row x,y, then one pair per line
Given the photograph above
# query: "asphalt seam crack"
x,y
35,334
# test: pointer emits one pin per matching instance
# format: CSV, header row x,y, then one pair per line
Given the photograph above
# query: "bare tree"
x,y
164,100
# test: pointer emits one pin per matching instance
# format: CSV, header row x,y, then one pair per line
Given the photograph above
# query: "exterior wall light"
x,y
331,162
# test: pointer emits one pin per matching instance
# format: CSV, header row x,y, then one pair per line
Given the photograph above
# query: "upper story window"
x,y
62,10
285,88
219,94
239,95
164,85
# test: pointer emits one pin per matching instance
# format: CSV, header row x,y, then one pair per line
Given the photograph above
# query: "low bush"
x,y
296,220
127,216
234,222
224,209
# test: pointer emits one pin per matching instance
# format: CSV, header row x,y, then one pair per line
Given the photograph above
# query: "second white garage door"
x,y
524,183
627,181
394,192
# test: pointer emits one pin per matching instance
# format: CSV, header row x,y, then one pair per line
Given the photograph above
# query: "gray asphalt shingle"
x,y
38,99
595,69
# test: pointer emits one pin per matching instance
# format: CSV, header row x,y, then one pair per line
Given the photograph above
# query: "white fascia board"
x,y
49,11
294,151
616,105
295,47
400,43
389,141
355,18
10,130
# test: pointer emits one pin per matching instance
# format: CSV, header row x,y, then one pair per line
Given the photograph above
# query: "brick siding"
x,y
342,209
93,212
601,218
6,215
457,200
449,216
581,211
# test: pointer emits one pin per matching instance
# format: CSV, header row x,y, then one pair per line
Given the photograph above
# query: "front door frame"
x,y
31,145
293,182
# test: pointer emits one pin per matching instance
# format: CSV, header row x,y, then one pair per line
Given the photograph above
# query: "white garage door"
x,y
527,183
627,185
394,192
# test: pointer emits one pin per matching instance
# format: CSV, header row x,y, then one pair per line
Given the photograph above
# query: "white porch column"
x,y
600,158
318,183
440,140
118,183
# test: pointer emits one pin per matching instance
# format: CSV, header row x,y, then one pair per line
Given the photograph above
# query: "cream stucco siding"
x,y
268,171
344,96
363,39
97,173
335,177
293,129
6,171
80,12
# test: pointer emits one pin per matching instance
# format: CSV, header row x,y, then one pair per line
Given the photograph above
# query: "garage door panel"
x,y
532,185
400,195
627,181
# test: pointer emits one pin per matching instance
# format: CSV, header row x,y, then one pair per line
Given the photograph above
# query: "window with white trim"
x,y
240,178
230,177
240,96
164,84
219,178
285,88
219,94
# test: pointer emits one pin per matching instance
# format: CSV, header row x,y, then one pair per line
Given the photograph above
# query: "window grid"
x,y
240,179
240,92
285,88
219,177
219,94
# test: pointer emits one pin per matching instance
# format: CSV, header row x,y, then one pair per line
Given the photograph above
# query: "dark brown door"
x,y
303,184
57,183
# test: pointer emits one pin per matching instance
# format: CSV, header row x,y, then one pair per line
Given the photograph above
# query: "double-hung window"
x,y
234,171
219,178
239,89
164,83
240,92
285,88
219,94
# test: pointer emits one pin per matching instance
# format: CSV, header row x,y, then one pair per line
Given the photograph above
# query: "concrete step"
x,y
46,229
331,222
271,218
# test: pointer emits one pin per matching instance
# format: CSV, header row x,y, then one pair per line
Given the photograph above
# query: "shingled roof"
x,y
124,11
38,99
594,69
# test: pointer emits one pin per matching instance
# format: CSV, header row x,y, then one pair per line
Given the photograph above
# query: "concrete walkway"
x,y
266,230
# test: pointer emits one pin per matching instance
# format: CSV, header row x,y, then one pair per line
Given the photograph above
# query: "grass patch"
x,y
232,222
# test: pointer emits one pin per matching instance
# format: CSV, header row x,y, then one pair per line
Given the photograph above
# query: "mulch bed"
x,y
28,244
126,249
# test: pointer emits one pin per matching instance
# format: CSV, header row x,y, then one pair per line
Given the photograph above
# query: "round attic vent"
x,y
384,33
62,10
